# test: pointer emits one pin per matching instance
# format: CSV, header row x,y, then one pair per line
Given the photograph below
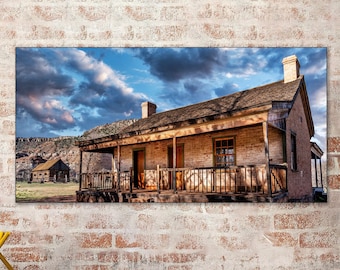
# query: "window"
x,y
293,158
224,151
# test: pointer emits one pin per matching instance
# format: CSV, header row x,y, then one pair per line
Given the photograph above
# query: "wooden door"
x,y
138,168
179,164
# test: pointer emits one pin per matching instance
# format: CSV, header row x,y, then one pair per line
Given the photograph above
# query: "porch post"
x,y
321,173
266,152
118,168
316,171
114,169
157,178
174,159
80,168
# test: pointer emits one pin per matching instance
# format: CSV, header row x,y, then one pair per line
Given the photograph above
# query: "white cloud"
x,y
315,69
320,99
246,73
52,104
97,71
229,75
50,120
66,116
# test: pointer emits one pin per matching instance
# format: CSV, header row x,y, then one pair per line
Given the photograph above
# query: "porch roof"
x,y
316,150
219,108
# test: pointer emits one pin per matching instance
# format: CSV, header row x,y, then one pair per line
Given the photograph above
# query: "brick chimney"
x,y
291,68
148,109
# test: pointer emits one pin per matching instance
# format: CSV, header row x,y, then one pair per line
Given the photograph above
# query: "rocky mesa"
x,y
30,151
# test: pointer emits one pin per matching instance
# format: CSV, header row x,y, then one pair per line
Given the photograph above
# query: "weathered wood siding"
x,y
41,176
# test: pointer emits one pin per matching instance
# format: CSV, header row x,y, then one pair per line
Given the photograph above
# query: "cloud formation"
x,y
64,91
62,88
39,86
173,65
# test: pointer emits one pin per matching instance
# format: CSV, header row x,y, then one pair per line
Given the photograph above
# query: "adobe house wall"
x,y
299,181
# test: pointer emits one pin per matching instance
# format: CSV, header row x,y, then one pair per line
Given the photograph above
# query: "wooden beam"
x,y
80,168
118,167
266,152
174,160
216,125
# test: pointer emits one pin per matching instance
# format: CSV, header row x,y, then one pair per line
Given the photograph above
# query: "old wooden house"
x,y
252,145
54,170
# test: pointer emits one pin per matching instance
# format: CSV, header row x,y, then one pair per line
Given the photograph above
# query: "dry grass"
x,y
47,192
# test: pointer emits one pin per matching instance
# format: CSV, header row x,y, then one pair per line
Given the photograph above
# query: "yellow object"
x,y
3,238
6,263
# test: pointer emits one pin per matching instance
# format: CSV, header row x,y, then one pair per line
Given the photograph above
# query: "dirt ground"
x,y
54,199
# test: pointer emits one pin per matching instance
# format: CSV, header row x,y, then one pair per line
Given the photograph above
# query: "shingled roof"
x,y
46,166
264,97
226,105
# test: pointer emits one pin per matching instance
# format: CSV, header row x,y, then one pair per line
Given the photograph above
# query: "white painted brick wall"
x,y
174,236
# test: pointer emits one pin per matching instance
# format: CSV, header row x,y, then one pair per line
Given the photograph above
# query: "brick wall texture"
x,y
171,236
157,154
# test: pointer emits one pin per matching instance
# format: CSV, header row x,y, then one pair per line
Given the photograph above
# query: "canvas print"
x,y
171,125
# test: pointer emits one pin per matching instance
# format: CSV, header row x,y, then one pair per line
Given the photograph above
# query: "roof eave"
x,y
175,126
302,89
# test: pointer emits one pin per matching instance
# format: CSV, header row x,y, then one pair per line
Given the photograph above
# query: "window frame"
x,y
293,152
227,146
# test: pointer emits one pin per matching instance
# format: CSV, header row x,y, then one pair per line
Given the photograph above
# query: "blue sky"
x,y
66,91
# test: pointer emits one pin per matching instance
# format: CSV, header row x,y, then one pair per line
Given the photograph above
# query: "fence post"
x,y
131,179
157,179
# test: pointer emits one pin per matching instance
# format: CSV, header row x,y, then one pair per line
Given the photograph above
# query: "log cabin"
x,y
253,145
54,170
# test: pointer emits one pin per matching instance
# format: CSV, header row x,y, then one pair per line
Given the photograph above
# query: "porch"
x,y
218,184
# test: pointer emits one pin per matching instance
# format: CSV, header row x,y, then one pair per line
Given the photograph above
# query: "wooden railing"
x,y
232,179
106,181
278,178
